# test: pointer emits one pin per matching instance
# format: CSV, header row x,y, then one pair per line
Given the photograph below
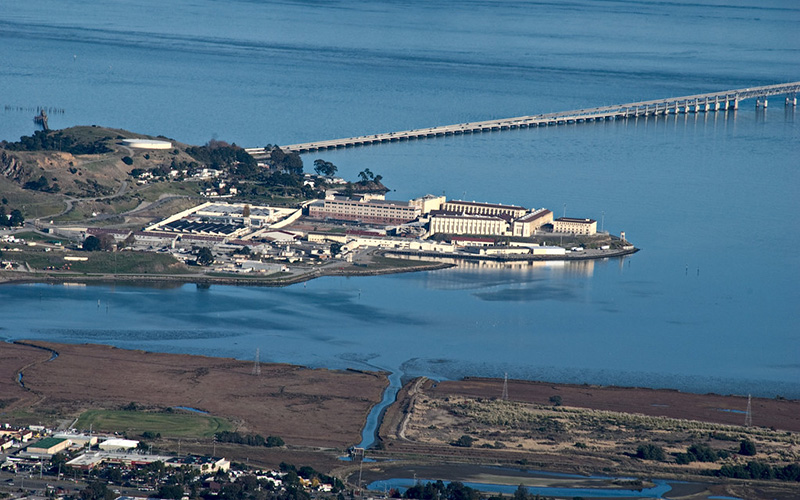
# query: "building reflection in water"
x,y
488,273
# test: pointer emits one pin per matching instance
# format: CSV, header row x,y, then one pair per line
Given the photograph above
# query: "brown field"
x,y
320,412
303,406
596,431
777,413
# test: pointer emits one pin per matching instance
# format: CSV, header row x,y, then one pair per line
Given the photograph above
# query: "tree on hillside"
x,y
293,164
650,452
747,448
16,219
464,441
366,176
326,168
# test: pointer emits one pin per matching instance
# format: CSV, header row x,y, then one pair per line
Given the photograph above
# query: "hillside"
x,y
79,173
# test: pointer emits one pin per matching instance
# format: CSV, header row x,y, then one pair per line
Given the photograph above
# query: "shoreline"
x,y
334,400
53,278
20,277
521,258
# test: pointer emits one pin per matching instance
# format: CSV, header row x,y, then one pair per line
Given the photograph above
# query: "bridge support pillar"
x,y
716,104
735,104
791,101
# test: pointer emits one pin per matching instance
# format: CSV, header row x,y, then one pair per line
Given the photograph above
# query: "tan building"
x,y
49,446
527,225
428,203
468,224
475,208
575,226
369,210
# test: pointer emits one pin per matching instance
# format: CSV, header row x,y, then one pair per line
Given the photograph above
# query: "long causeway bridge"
x,y
700,103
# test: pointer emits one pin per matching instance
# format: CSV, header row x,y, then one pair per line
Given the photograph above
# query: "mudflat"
x,y
302,406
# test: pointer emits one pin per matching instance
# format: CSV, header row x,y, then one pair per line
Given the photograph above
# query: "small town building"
x,y
463,241
475,208
118,444
49,446
428,203
365,208
468,224
575,226
527,225
77,439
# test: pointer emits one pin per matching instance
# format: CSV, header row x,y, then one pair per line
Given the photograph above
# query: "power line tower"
x,y
256,365
748,417
505,387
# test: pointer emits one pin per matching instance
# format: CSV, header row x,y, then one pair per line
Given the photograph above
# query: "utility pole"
x,y
748,417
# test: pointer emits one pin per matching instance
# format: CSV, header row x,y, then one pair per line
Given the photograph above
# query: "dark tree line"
x,y
758,470
221,155
50,140
14,219
249,439
288,162
42,184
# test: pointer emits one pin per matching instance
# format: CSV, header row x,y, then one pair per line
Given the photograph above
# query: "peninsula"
x,y
92,203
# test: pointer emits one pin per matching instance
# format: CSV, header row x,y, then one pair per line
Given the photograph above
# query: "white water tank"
x,y
146,144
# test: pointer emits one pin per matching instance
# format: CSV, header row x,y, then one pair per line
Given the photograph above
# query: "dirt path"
x,y
401,432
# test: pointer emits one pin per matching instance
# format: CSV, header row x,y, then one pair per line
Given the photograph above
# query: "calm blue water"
x,y
708,305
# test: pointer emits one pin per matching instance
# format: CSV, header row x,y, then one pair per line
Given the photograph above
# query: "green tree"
x,y
326,168
521,493
366,175
702,453
555,400
16,219
747,448
107,242
173,491
96,490
129,241
205,257
464,441
293,164
127,160
274,441
650,452
91,244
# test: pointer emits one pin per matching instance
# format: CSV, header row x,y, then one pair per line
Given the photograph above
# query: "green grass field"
x,y
169,424
102,262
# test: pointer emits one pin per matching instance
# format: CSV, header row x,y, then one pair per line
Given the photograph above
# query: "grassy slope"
x,y
101,262
91,176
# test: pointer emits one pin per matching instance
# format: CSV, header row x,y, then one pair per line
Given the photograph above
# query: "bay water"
x,y
709,304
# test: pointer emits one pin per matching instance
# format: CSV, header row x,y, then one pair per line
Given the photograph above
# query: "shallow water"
x,y
709,304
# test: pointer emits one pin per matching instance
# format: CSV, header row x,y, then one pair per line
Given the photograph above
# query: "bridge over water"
x,y
700,103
